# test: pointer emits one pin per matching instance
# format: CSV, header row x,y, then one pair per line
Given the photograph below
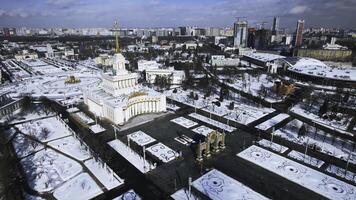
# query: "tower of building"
x,y
275,26
299,33
240,33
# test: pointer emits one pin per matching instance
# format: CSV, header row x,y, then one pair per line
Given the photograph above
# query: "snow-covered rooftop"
x,y
264,57
314,67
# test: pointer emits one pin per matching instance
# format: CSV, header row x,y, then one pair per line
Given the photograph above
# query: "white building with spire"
x,y
120,97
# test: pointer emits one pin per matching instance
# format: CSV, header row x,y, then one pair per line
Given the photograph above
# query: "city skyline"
x,y
172,13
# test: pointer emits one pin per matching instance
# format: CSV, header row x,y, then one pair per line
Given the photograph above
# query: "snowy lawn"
x,y
71,146
45,129
187,123
217,186
72,110
183,194
47,169
24,146
311,179
203,130
104,173
271,145
82,187
212,122
341,173
134,158
324,143
245,114
141,138
129,195
172,107
272,122
85,118
306,159
162,152
334,125
97,128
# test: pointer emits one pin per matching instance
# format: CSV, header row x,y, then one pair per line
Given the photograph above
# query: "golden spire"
x,y
116,30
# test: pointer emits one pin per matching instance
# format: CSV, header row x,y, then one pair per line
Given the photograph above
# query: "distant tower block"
x,y
299,33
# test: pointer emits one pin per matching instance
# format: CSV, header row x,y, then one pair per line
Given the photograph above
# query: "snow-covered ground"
x,y
187,123
212,122
172,107
272,122
141,138
72,110
272,145
306,159
47,169
104,173
97,128
85,118
52,85
82,187
246,114
183,194
45,129
325,143
217,186
309,178
253,85
241,113
24,146
134,158
334,125
341,173
162,152
203,130
129,195
72,146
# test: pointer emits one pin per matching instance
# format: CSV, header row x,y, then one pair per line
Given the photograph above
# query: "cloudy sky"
x,y
171,13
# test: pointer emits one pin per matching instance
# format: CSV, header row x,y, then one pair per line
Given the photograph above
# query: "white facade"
x,y
220,61
104,59
25,56
177,76
120,98
147,65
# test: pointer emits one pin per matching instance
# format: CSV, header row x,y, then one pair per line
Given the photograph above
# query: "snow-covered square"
x,y
141,138
216,186
82,187
187,123
309,178
162,152
129,195
104,173
203,130
272,122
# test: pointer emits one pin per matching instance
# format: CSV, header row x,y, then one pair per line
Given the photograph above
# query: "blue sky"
x,y
170,13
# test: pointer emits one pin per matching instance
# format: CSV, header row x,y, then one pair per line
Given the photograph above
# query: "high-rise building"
x,y
240,33
275,26
299,33
251,38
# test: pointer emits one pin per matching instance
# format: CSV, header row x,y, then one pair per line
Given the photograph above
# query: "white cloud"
x,y
298,9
